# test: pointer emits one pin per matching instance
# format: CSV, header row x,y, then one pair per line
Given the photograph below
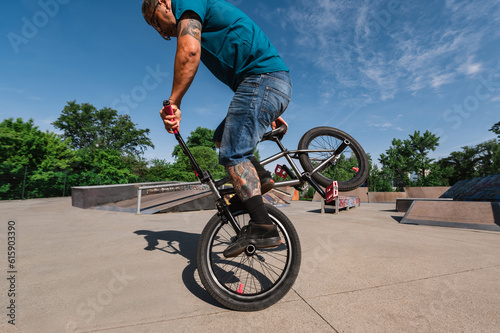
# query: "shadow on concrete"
x,y
184,244
397,218
318,211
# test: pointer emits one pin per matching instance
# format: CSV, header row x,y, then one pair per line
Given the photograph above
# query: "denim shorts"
x,y
257,102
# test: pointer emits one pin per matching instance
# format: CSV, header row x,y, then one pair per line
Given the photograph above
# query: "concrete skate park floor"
x,y
88,271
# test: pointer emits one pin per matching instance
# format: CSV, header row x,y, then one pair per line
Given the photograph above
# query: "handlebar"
x,y
168,109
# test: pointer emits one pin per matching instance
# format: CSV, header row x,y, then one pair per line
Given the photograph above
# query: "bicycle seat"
x,y
275,133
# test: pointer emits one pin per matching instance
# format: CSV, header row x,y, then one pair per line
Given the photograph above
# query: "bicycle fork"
x,y
205,177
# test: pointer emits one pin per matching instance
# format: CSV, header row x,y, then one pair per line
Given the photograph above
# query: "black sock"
x,y
257,210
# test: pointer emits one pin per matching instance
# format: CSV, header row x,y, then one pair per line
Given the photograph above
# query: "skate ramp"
x,y
485,189
277,198
473,204
477,189
167,202
161,197
456,214
157,198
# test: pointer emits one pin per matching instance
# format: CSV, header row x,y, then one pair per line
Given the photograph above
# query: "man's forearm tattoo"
x,y
191,27
245,180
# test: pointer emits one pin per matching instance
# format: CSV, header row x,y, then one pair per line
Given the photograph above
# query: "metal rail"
x,y
140,188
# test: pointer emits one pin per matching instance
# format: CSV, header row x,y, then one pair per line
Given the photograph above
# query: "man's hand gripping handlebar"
x,y
169,117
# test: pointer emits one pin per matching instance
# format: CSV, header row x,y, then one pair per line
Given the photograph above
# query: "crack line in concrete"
x,y
312,308
403,282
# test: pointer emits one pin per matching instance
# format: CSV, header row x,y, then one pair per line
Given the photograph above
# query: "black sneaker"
x,y
259,235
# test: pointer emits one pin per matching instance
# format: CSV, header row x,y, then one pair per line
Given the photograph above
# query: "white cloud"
x,y
442,79
470,67
366,49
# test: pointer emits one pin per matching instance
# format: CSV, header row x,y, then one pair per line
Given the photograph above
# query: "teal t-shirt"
x,y
233,46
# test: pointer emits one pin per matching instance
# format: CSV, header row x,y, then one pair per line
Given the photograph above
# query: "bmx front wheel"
x,y
257,278
350,168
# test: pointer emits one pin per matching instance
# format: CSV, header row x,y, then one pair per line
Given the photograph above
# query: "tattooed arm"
x,y
187,57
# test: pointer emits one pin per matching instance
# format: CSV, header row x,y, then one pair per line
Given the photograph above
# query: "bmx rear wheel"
x,y
257,278
351,167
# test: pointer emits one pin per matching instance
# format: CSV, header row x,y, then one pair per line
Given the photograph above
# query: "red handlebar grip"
x,y
168,109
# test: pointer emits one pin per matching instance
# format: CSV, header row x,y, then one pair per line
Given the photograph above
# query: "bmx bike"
x,y
258,278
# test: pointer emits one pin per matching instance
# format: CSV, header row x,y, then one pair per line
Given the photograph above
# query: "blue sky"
x,y
376,69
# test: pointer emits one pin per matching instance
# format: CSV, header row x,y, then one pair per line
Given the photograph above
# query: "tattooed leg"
x,y
245,180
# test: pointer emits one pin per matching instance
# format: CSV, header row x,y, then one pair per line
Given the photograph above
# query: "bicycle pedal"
x,y
280,171
332,192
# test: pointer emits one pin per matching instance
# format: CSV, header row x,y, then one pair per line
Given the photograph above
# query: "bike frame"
x,y
298,178
206,178
303,177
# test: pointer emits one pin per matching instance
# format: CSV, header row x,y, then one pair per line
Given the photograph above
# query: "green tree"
x,y
407,156
461,165
489,162
496,129
102,167
158,170
396,164
200,143
23,147
88,127
472,162
200,137
206,158
420,146
436,177
377,180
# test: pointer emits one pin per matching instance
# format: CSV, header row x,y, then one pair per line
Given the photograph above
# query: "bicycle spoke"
x,y
340,170
254,275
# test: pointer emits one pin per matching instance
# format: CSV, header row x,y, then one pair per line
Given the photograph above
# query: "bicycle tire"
x,y
343,169
248,282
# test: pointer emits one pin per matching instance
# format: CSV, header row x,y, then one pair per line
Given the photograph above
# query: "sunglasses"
x,y
154,23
